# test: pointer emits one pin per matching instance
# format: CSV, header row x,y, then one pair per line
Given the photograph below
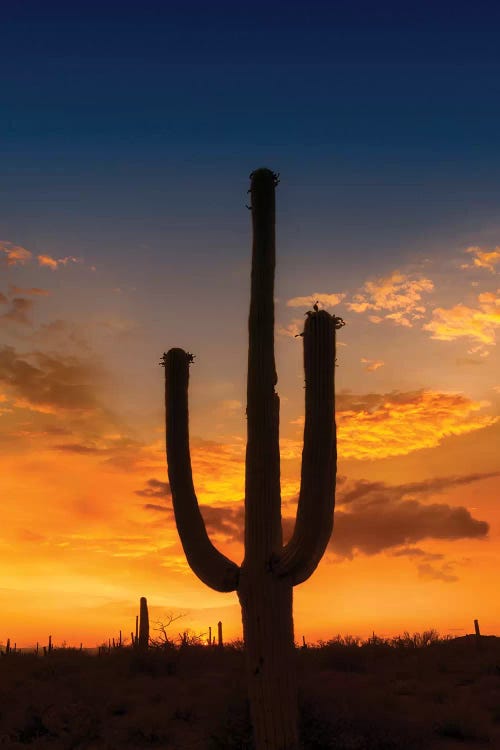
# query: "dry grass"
x,y
372,696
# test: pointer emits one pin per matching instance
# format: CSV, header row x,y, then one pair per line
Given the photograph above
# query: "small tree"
x,y
162,640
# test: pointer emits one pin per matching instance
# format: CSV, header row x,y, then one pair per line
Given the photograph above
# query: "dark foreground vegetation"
x,y
411,693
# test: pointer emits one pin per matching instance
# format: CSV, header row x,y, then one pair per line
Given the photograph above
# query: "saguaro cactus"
x,y
264,581
143,625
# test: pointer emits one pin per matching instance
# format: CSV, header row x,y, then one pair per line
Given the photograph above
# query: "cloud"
x,y
226,521
371,528
324,300
372,364
80,448
14,255
46,383
155,488
483,258
394,424
292,330
430,573
375,493
62,334
47,261
370,518
18,312
416,552
380,425
33,291
399,296
461,321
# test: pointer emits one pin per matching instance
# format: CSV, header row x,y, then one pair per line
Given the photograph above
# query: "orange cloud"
x,y
33,291
292,330
48,261
461,321
15,255
483,258
375,425
325,300
372,364
399,295
399,423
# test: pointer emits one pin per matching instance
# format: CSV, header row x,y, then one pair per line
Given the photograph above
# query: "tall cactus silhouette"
x,y
264,581
143,624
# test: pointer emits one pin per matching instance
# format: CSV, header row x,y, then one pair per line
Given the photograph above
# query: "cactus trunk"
x,y
265,580
266,600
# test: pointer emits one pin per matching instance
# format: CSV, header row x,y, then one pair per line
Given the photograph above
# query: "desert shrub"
x,y
461,726
235,730
152,663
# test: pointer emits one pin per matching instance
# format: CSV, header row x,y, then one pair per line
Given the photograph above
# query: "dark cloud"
x,y
156,508
54,381
380,492
372,528
415,552
228,522
78,448
155,488
371,517
18,312
430,573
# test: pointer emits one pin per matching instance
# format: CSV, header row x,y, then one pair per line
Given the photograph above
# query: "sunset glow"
x,y
124,233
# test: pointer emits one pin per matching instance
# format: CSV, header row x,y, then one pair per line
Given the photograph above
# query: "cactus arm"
x,y
314,522
210,565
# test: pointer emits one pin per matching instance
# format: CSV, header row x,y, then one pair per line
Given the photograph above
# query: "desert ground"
x,y
413,693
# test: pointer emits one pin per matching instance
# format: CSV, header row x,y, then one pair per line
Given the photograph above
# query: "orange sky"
x,y
88,526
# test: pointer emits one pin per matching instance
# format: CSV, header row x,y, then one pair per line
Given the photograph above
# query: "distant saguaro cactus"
x,y
143,625
265,580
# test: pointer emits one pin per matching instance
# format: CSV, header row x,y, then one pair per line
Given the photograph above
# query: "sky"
x,y
127,136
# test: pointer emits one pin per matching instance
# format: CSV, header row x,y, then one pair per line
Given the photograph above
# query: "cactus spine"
x,y
265,580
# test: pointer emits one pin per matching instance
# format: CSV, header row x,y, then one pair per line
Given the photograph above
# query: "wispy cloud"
x,y
19,311
33,291
322,298
47,261
395,424
487,259
478,324
374,425
292,330
371,365
397,297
